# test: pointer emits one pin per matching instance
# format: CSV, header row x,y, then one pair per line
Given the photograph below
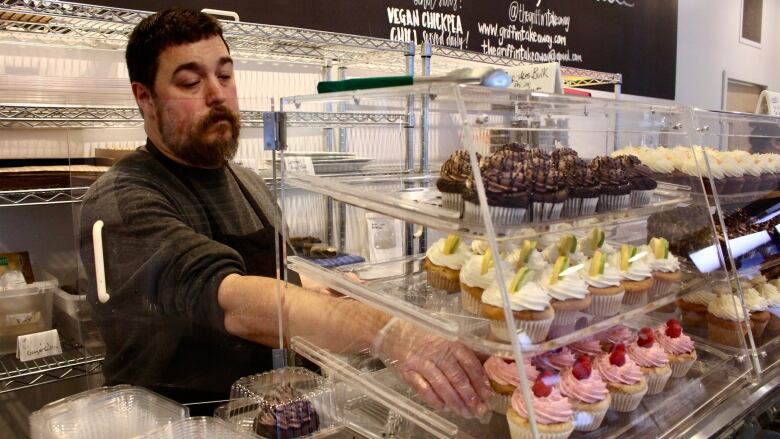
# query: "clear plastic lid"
x,y
107,412
290,402
198,428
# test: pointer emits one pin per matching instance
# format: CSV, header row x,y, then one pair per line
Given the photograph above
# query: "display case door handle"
x,y
100,270
221,13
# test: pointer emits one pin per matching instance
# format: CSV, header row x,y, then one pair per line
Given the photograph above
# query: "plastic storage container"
x,y
73,318
295,398
108,412
23,311
198,428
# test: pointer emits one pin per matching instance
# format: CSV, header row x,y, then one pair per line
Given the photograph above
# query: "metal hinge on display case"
x,y
274,130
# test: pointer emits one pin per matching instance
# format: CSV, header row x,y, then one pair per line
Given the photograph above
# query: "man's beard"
x,y
193,148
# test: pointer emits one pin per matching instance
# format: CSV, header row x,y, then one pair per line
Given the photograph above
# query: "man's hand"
x,y
445,374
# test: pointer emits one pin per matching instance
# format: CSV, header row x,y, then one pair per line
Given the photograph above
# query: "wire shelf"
x,y
75,361
32,197
64,116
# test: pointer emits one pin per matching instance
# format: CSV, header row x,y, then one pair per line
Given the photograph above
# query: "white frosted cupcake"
x,y
727,322
604,286
664,265
693,307
475,276
772,296
758,307
636,277
443,262
569,292
530,305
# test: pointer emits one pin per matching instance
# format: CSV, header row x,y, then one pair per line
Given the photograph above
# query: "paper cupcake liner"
x,y
565,318
545,211
588,206
560,330
536,330
442,282
657,381
641,198
626,402
500,215
693,318
556,211
639,298
452,201
523,432
660,289
571,207
611,203
499,402
680,369
469,303
758,328
588,421
724,336
605,306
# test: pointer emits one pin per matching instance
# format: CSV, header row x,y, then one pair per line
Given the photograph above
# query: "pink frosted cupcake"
x,y
554,361
589,346
652,360
614,335
587,393
678,346
626,384
554,415
503,377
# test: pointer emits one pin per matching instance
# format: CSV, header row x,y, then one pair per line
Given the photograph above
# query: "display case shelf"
x,y
400,288
382,405
32,197
75,361
416,200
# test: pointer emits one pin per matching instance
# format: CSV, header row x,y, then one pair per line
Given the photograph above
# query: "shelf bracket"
x,y
274,130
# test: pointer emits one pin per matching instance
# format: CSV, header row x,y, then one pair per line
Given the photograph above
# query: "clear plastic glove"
x,y
445,374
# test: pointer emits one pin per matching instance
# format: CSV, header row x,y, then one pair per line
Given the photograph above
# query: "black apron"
x,y
257,251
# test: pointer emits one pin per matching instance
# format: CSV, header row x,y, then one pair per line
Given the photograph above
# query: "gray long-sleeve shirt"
x,y
171,234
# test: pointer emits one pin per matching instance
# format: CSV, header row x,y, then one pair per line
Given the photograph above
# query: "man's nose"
x,y
215,92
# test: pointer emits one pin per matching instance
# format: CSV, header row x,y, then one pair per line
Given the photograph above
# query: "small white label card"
x,y
299,165
769,103
38,345
538,77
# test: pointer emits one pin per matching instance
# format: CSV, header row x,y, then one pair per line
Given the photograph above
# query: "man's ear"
x,y
143,97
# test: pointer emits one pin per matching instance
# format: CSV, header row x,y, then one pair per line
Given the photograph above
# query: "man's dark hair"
x,y
155,33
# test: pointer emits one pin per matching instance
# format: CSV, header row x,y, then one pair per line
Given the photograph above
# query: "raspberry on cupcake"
x,y
587,393
553,412
651,359
627,386
678,347
502,373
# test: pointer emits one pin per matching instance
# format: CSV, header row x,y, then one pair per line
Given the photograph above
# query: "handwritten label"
x,y
538,77
425,24
299,165
769,103
38,345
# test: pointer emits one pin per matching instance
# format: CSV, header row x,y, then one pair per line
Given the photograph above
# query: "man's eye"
x,y
190,84
225,77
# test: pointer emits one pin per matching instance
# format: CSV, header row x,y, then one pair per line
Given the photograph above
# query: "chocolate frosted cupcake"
x,y
640,177
452,180
506,190
615,188
583,187
561,154
548,189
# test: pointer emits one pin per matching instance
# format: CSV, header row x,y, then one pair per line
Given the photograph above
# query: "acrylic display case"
x,y
397,218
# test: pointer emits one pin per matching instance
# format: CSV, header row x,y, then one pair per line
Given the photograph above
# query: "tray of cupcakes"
x,y
529,184
563,287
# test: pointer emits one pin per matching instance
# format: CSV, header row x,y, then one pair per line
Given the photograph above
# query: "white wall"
x,y
708,43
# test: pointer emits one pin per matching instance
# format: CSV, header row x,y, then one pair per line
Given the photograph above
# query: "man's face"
x,y
195,103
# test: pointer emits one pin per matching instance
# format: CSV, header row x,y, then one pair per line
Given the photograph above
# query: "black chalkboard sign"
x,y
637,38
